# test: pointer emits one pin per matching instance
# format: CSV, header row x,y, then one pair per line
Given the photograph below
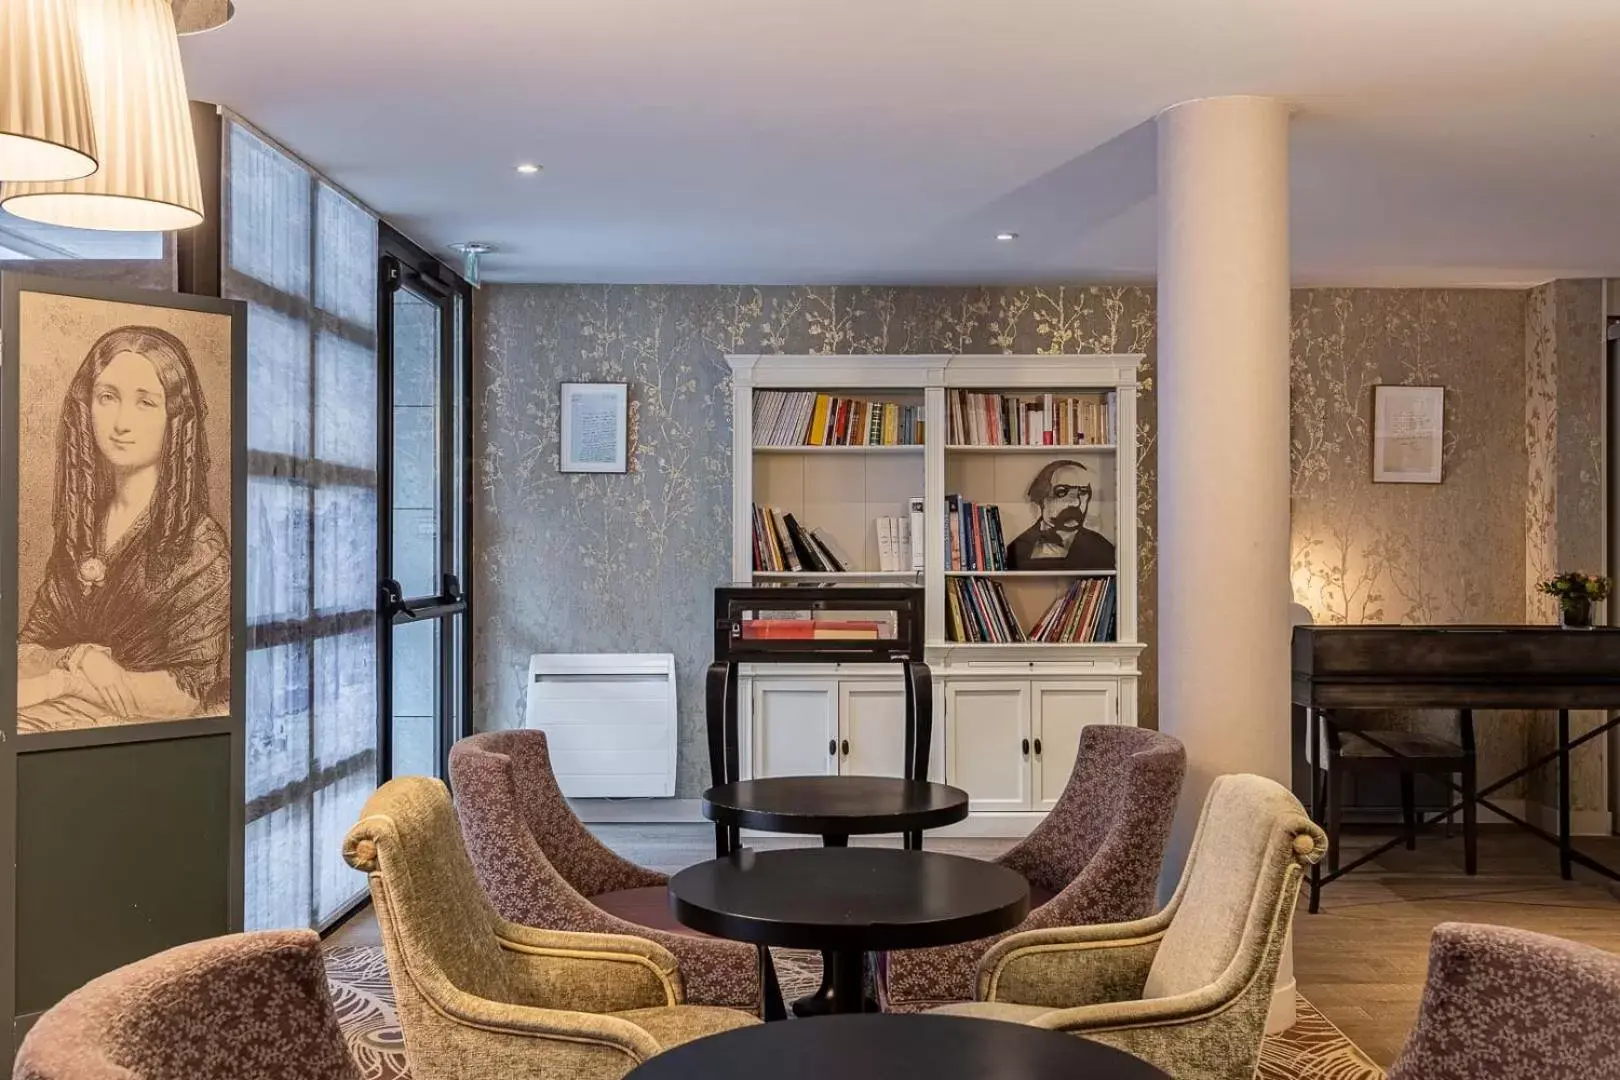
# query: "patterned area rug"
x,y
1313,1049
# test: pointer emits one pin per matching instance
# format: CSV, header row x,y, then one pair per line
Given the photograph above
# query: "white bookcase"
x,y
1008,715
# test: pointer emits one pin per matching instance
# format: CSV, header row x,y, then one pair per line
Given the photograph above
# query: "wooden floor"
x,y
1362,959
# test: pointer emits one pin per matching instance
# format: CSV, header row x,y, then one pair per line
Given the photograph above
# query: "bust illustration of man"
x,y
1059,539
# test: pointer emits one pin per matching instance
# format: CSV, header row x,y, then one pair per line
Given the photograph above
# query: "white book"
x,y
918,531
885,538
902,543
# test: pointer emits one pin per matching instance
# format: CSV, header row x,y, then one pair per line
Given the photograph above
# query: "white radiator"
x,y
609,720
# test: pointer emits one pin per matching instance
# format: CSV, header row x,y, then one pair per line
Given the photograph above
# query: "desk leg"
x,y
1566,865
825,1000
1313,754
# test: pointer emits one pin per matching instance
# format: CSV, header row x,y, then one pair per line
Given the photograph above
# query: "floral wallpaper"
x,y
627,563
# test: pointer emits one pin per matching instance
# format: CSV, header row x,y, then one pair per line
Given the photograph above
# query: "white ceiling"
x,y
878,141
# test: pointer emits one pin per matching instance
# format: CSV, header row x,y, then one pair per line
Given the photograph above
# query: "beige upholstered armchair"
x,y
1187,989
480,998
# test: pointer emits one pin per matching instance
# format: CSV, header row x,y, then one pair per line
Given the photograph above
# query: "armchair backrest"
x,y
1236,895
1503,1004
437,925
1124,788
242,1005
502,772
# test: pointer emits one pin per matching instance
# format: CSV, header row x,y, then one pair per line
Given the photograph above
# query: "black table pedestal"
x,y
843,975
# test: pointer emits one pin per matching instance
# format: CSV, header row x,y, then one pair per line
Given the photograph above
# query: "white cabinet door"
x,y
1062,707
872,741
987,724
794,725
872,718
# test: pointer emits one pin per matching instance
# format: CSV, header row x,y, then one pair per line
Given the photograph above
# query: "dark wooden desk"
x,y
848,902
887,1047
1464,668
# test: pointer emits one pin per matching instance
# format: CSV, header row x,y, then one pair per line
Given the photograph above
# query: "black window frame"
x,y
402,262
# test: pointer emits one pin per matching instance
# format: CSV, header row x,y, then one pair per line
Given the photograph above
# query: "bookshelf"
x,y
996,430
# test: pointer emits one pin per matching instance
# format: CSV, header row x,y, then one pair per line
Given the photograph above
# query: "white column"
x,y
1223,402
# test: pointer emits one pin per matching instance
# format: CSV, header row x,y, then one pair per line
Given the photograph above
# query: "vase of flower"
x,y
1576,593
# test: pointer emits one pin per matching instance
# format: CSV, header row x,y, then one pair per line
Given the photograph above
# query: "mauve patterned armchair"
x,y
480,998
541,867
1503,1004
1094,859
247,1005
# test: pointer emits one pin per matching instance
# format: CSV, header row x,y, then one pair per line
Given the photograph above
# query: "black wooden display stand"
x,y
734,606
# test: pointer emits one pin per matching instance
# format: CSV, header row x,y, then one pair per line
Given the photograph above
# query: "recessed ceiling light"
x,y
1006,237
528,169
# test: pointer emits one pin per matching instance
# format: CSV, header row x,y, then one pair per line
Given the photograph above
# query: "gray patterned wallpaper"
x,y
627,563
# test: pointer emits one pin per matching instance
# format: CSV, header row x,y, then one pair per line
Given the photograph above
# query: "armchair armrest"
x,y
588,973
1200,1004
505,1035
1072,965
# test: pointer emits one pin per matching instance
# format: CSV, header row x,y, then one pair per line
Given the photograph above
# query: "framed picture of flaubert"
x,y
125,483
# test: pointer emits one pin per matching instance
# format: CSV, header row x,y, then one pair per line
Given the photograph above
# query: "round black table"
x,y
886,1047
835,807
848,902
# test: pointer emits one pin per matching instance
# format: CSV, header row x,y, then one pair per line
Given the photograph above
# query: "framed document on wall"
x,y
1408,434
595,428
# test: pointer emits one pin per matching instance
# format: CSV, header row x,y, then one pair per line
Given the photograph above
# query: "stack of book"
x,y
973,537
1034,420
782,545
977,611
1085,612
803,623
899,540
811,630
802,418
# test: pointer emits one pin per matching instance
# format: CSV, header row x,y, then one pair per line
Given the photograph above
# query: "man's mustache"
x,y
1070,517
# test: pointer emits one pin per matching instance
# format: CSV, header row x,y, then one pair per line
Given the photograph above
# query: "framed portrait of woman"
x,y
122,585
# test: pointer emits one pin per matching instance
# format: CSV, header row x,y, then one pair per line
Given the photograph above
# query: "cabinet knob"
x,y
1026,748
1037,748
832,747
846,748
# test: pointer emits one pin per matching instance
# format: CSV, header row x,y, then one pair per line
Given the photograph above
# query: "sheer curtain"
x,y
304,257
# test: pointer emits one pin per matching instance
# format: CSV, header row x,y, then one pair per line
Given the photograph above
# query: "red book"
x,y
777,629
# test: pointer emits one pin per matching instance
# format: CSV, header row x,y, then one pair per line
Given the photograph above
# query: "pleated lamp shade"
x,y
148,180
45,125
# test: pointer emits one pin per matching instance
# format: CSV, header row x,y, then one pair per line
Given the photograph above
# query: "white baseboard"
x,y
690,812
639,811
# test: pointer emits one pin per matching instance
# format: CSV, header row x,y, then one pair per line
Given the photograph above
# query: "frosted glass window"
x,y
278,381
304,257
268,237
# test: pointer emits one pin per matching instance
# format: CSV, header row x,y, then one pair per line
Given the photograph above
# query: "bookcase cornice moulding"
x,y
911,370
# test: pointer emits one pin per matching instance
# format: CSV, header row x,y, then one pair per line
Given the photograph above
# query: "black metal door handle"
x,y
1026,748
832,747
1037,748
846,748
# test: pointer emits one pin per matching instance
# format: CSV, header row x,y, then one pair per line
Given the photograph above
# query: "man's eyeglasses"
x,y
1071,491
